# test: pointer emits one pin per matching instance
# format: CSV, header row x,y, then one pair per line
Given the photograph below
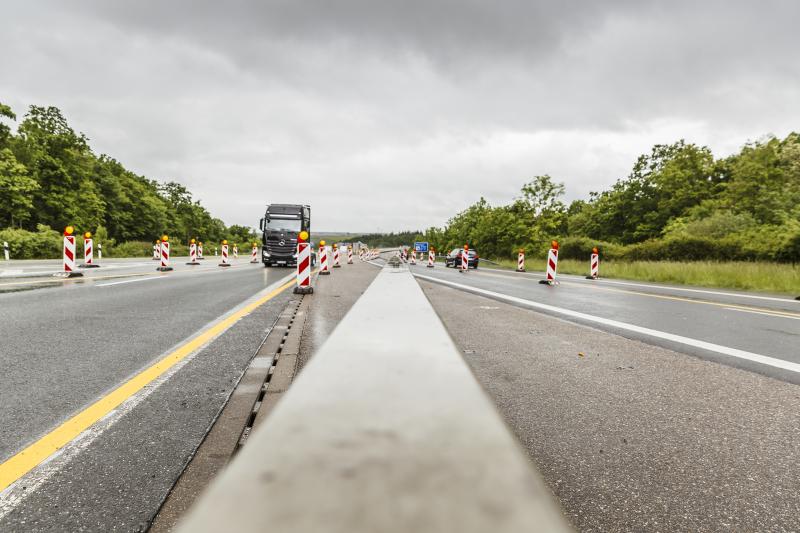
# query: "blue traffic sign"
x,y
421,247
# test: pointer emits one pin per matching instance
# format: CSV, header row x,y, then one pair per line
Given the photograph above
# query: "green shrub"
x,y
44,243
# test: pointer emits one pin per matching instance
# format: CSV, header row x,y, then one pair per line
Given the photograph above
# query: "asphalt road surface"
x,y
67,343
752,331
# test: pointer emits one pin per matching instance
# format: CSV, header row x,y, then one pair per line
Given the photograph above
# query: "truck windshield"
x,y
283,225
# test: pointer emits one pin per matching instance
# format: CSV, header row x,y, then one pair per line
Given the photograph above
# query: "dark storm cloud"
x,y
345,103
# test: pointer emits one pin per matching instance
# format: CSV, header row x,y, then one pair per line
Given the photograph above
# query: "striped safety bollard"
x,y
336,256
164,255
552,266
361,254
324,269
69,255
349,255
303,265
254,254
594,264
88,252
235,251
521,261
465,259
193,253
225,262
200,251
413,260
157,250
431,257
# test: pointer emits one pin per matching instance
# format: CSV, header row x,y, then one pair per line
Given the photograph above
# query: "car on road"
x,y
453,259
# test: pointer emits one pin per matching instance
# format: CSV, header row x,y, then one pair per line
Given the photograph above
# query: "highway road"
x,y
75,352
751,331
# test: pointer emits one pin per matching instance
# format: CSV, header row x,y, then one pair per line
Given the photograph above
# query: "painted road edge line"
x,y
33,455
724,350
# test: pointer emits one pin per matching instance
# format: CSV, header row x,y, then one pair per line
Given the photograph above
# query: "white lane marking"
x,y
128,281
724,350
650,286
28,484
762,313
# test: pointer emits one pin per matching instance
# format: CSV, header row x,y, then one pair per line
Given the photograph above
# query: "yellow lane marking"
x,y
29,458
761,310
762,313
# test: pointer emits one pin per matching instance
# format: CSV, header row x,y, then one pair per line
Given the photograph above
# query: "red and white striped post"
x,y
69,255
324,268
303,265
193,253
521,261
235,251
157,250
349,255
361,254
164,255
88,252
552,265
200,251
431,257
336,256
465,258
413,257
254,254
225,262
405,254
594,264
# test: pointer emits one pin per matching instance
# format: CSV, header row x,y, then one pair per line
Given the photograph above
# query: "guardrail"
x,y
375,437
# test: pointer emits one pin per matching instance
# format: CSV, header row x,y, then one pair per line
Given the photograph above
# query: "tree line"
x,y
679,202
51,178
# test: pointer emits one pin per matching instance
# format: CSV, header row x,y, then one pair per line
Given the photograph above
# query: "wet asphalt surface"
x,y
65,346
631,436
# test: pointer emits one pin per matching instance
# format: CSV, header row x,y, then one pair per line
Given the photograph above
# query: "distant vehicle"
x,y
453,259
281,225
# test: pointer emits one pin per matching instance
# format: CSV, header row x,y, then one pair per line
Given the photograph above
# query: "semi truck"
x,y
280,227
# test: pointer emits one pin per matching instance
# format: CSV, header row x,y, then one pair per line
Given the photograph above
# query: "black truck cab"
x,y
280,227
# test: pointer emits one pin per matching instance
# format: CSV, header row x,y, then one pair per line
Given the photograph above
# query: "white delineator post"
x,y
349,255
224,262
303,269
552,266
521,261
5,251
323,260
99,251
164,256
465,259
431,257
254,254
336,257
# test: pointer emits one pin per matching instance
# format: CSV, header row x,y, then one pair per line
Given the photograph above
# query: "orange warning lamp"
x,y
322,243
522,250
191,241
466,246
200,243
594,250
87,235
554,245
335,246
68,230
255,244
158,241
224,241
303,237
164,238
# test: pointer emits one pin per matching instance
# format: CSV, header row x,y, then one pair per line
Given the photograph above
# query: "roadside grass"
x,y
751,276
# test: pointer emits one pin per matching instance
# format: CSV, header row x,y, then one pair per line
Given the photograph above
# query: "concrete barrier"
x,y
375,437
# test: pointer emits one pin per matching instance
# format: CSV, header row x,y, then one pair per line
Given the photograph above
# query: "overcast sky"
x,y
390,116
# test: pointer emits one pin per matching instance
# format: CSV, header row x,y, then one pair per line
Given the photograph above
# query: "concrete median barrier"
x,y
374,437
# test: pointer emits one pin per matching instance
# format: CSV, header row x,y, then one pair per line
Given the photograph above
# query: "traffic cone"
x,y
88,252
164,255
552,265
69,255
224,262
303,265
193,253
